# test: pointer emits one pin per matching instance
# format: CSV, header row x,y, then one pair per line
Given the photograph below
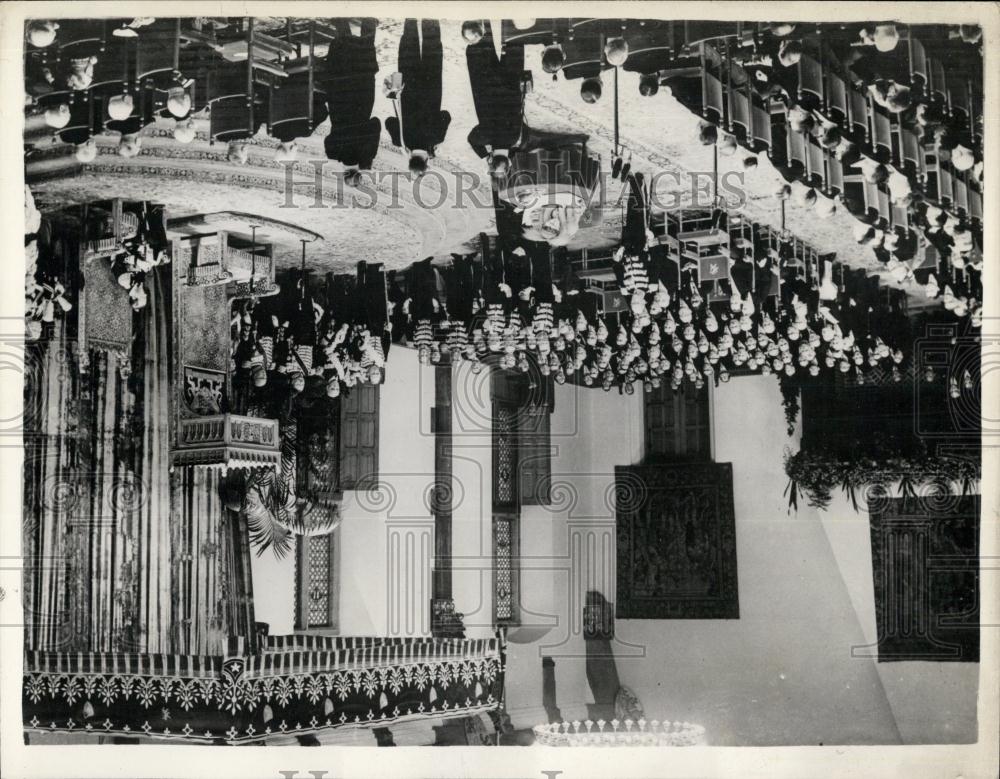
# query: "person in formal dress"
x,y
421,125
498,94
616,51
178,102
349,80
80,129
129,145
591,89
80,74
287,151
86,151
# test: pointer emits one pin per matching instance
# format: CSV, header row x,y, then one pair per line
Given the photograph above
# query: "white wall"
x,y
787,671
783,673
567,548
472,503
932,702
386,535
274,590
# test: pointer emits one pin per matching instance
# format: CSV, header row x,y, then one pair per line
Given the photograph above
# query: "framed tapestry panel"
x,y
676,542
925,563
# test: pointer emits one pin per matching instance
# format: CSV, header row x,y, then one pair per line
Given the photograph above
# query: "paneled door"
x,y
359,438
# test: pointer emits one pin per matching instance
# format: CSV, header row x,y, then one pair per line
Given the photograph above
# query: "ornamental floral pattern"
x,y
237,708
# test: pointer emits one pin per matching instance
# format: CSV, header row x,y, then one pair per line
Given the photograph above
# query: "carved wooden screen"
x,y
505,572
677,424
359,411
315,583
505,457
534,456
925,563
676,540
525,448
505,514
106,314
317,454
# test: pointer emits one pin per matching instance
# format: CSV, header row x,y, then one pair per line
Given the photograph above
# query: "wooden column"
x,y
444,620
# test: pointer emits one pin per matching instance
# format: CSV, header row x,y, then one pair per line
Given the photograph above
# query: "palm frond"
x,y
267,533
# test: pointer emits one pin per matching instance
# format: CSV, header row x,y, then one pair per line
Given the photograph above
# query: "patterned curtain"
x,y
199,599
81,494
48,496
154,589
101,541
120,554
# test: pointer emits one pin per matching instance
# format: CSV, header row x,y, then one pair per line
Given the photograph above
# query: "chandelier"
x,y
611,734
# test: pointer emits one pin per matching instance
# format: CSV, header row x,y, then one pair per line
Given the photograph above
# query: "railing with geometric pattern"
x,y
304,642
244,264
334,683
103,246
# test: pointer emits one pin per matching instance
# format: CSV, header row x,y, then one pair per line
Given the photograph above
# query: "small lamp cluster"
x,y
612,734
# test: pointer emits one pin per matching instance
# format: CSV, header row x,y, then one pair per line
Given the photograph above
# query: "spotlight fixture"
x,y
124,32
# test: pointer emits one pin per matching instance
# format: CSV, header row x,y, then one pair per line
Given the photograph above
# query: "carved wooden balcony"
x,y
219,259
227,441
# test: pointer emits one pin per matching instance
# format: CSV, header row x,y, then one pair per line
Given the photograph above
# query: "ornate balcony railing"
x,y
413,648
228,440
245,265
249,698
103,247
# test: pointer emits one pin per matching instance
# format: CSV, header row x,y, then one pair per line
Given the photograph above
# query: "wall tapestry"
x,y
676,540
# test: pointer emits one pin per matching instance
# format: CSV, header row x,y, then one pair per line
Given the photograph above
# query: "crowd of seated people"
x,y
134,241
316,337
521,302
859,118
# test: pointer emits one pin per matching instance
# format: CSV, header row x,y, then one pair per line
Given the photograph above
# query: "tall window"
x,y
535,456
315,580
522,466
505,514
677,423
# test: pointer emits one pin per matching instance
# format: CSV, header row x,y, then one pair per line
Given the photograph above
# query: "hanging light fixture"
x,y
640,733
124,31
